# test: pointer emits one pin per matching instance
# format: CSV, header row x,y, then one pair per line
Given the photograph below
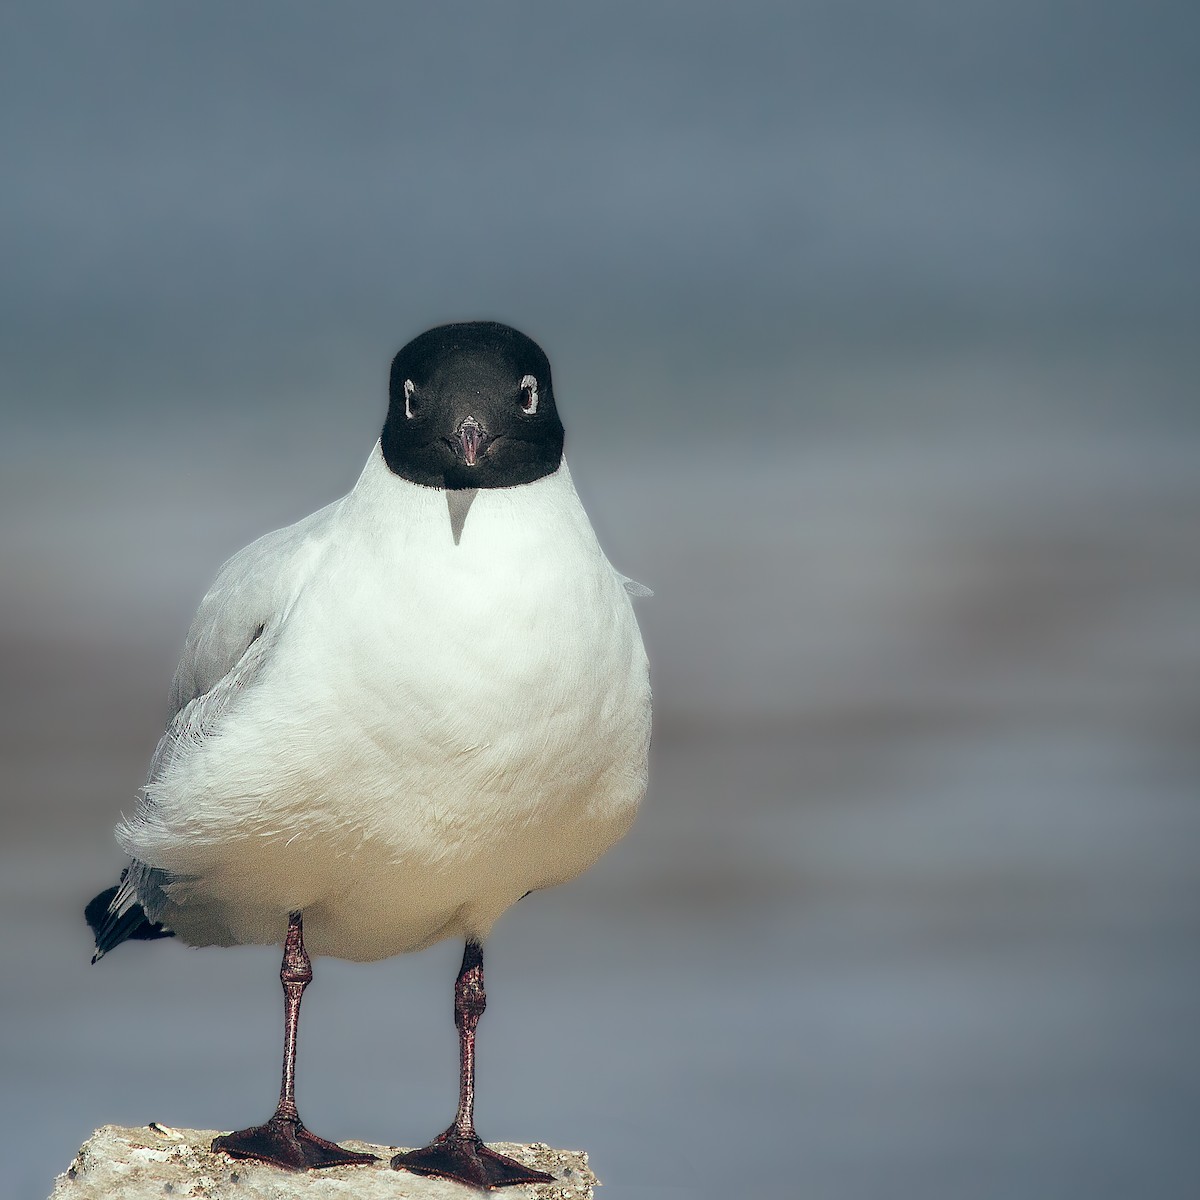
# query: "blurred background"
x,y
874,332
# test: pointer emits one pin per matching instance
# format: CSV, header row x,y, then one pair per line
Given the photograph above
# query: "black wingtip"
x,y
112,928
96,912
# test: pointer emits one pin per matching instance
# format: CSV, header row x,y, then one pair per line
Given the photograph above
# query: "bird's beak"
x,y
472,437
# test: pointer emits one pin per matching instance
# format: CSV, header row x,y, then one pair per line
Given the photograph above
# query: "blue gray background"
x,y
874,331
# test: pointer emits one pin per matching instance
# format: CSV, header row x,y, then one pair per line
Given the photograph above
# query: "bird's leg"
x,y
283,1140
459,1153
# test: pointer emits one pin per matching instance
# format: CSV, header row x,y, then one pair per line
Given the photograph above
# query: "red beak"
x,y
470,436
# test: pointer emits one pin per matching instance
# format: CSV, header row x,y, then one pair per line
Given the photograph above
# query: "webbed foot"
x,y
452,1155
284,1142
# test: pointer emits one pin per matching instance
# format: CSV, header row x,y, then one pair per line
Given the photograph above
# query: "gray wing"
x,y
231,637
248,597
140,900
148,886
230,640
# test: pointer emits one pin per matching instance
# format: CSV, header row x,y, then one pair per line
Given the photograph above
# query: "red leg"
x,y
283,1140
459,1153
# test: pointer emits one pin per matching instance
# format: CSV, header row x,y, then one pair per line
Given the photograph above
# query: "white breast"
x,y
440,728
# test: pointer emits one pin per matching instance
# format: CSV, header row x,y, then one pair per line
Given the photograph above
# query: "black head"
x,y
472,406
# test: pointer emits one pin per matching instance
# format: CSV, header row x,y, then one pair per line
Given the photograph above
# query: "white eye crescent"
x,y
409,388
529,395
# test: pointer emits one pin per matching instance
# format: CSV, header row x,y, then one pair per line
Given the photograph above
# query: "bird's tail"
x,y
115,916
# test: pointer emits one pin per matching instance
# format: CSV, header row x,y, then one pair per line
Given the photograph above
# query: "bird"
x,y
397,717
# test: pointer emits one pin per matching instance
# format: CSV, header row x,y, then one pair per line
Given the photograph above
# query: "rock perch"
x,y
392,721
155,1161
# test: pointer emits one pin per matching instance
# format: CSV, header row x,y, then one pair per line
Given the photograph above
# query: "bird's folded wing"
x,y
231,638
251,592
139,900
199,717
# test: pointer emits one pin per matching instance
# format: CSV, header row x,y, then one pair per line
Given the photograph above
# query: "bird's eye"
x,y
529,395
410,410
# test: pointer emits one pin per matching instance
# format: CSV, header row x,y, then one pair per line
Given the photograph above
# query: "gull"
x,y
395,718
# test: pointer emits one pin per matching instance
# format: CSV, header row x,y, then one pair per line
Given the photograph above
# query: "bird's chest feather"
x,y
502,670
484,644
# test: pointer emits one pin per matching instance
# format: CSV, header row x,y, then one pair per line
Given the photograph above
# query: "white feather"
x,y
396,734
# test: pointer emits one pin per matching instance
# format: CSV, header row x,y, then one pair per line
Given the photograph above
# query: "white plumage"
x,y
396,717
397,734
